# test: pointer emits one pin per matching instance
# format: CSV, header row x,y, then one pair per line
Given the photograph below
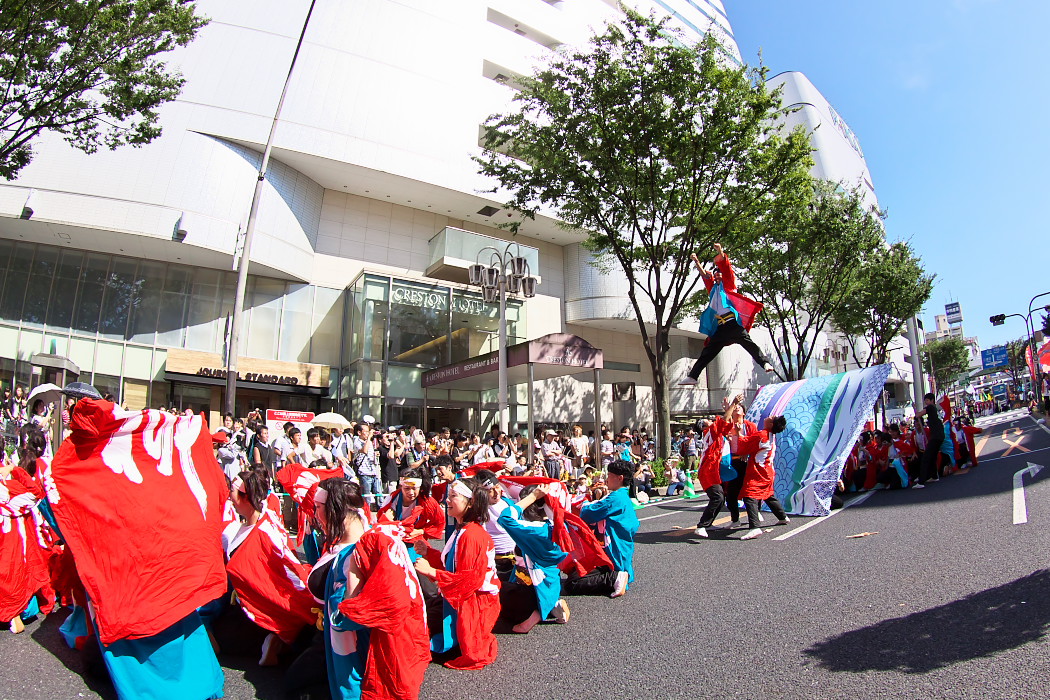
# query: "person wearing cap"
x,y
551,450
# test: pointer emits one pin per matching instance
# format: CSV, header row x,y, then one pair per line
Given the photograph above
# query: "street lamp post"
x,y
505,274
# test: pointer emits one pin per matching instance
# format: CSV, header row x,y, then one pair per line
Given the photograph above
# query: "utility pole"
x,y
234,345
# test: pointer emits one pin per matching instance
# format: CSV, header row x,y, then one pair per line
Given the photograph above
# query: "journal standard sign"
x,y
210,366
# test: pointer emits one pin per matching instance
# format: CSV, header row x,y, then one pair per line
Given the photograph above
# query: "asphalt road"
x,y
947,599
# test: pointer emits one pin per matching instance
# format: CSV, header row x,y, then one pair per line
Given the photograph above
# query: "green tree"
x,y
652,148
1017,361
891,287
806,262
949,357
87,69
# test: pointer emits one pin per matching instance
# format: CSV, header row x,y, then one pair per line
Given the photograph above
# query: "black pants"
x,y
729,333
752,510
732,490
717,499
929,460
600,581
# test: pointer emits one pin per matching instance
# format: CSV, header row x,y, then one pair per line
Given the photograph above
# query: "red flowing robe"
x,y
711,454
270,582
473,590
970,431
880,455
426,515
23,562
139,498
390,604
758,477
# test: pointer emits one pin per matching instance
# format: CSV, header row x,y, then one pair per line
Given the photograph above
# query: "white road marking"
x,y
673,512
1041,425
992,459
1020,507
816,521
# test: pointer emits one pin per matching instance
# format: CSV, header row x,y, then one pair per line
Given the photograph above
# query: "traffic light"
x,y
998,319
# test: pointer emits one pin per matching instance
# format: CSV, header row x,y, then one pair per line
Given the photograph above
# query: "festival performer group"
x,y
359,602
363,598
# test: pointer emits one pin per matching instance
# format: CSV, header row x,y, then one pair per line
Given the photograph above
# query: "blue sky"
x,y
950,103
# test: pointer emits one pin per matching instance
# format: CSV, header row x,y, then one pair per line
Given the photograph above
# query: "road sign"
x,y
994,357
999,390
954,312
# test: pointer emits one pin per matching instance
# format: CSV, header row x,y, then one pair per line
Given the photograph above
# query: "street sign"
x,y
954,312
275,421
994,357
999,390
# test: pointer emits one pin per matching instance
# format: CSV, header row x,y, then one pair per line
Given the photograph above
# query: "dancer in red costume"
x,y
713,447
727,319
758,479
465,573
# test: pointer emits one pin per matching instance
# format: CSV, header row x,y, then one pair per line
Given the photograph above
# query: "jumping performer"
x,y
727,319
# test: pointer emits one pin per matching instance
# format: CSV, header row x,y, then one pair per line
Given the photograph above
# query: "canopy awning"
x,y
553,355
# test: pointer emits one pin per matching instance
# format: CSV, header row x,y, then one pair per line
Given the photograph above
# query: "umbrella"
x,y
48,393
81,390
331,420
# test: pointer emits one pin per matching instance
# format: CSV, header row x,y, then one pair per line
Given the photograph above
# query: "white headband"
x,y
320,496
462,489
238,484
411,482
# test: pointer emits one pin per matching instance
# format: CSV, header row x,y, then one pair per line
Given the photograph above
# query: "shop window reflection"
x,y
419,324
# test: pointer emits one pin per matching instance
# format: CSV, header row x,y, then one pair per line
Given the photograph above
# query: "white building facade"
x,y
371,205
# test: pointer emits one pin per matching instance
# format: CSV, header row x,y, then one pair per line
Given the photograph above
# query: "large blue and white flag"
x,y
825,415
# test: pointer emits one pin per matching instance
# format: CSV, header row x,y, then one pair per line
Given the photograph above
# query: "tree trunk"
x,y
661,397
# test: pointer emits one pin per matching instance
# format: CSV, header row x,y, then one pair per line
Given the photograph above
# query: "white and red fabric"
x,y
390,604
575,537
301,484
269,580
758,477
139,498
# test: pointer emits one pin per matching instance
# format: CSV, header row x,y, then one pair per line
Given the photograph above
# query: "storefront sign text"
x,y
249,376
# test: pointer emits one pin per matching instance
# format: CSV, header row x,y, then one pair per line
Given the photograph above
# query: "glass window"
x,y
475,326
143,323
121,294
138,362
89,293
64,290
206,327
266,296
419,320
107,384
171,319
368,326
367,379
15,283
403,382
516,331
296,323
6,249
326,327
38,288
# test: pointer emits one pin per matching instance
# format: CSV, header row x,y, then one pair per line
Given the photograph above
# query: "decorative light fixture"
x,y
506,274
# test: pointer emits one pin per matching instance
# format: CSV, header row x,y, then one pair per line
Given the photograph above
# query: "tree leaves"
x,y
88,69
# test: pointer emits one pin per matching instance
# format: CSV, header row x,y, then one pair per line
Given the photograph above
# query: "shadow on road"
x,y
86,663
976,626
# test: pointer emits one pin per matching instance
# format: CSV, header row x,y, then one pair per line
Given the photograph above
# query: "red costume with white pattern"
x,y
758,477
473,590
390,604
